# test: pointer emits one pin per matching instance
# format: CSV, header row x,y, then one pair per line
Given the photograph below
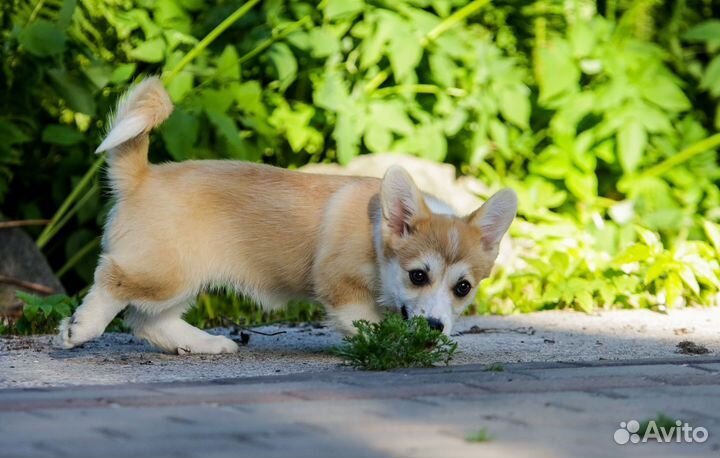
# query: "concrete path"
x,y
533,410
537,337
565,384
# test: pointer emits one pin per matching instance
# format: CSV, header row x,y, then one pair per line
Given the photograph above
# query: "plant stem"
x,y
26,222
80,203
419,89
209,38
269,41
49,230
450,21
77,257
32,286
683,156
455,18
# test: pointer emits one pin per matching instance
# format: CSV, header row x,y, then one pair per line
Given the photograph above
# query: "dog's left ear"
x,y
402,202
494,217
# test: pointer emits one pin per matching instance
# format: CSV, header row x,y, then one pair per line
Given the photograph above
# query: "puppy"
x,y
356,245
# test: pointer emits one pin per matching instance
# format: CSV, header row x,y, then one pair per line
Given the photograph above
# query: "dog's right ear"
x,y
402,202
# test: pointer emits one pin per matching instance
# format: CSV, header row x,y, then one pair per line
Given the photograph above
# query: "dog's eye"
x,y
462,288
418,277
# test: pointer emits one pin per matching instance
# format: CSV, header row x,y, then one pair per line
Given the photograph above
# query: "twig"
x,y
233,323
209,38
32,286
26,222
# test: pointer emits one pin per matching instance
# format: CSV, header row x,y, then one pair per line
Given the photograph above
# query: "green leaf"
x,y
330,91
688,277
373,46
61,135
432,141
404,50
76,94
708,31
285,64
228,68
10,134
180,86
632,139
152,51
515,105
392,115
342,9
378,139
348,128
582,185
711,77
226,127
665,93
122,73
42,38
323,42
180,133
584,300
248,96
712,232
442,69
673,289
556,72
633,253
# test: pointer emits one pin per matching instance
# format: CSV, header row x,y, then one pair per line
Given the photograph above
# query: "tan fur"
x,y
273,234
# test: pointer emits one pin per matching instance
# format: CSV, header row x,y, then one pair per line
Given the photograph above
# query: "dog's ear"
x,y
402,202
493,218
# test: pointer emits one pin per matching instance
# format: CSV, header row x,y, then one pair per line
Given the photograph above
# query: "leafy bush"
x,y
395,342
41,315
602,115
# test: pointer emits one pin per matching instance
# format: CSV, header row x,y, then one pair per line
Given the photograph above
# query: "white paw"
x,y
209,345
71,333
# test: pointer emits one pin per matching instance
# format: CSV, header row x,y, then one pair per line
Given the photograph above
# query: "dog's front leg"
x,y
342,316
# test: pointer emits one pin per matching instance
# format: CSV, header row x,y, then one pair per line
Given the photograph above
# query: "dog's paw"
x,y
64,337
212,345
72,333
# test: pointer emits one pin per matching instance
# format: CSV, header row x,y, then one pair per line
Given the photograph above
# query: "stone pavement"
x,y
530,409
555,336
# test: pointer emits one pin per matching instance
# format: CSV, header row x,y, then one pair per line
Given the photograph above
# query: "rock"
x,y
21,260
441,180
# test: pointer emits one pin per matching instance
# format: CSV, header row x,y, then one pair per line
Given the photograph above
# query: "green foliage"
x,y
395,342
479,436
600,114
662,421
495,367
215,310
41,314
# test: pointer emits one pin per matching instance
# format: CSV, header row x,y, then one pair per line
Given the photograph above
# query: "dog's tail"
x,y
143,107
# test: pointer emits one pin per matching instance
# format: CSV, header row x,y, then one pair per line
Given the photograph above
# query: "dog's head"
x,y
431,264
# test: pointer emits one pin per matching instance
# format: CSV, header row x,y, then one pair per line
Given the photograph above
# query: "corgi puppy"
x,y
356,245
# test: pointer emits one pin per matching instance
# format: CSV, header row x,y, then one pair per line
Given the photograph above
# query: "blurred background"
x,y
601,115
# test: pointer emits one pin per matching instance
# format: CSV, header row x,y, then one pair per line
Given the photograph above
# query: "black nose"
x,y
435,324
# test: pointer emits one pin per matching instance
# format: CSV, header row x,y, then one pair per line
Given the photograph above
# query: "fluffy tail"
x,y
142,108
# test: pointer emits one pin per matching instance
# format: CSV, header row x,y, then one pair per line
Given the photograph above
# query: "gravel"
x,y
538,337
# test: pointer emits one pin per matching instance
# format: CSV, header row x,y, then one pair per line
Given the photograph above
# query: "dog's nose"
x,y
435,324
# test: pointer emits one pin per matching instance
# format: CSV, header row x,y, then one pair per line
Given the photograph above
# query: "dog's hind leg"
x,y
90,319
168,331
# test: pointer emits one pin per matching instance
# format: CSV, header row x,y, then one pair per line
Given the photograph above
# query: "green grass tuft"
x,y
481,435
662,421
394,343
495,367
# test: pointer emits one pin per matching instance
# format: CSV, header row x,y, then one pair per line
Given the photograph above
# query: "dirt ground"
x,y
556,336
